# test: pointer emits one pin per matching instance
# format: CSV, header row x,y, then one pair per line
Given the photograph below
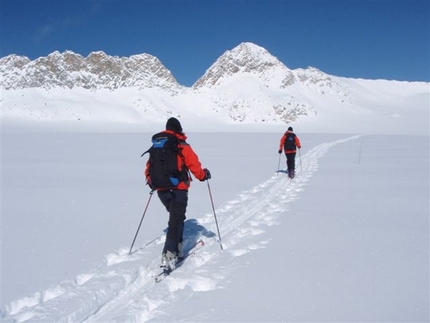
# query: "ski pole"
x,y
300,155
279,164
143,215
216,221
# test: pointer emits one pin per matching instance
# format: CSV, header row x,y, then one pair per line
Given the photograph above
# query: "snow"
x,y
246,88
346,240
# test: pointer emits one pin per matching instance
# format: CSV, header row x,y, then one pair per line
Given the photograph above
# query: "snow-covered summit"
x,y
246,58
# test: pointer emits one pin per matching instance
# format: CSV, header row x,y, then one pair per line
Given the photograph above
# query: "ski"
x,y
166,272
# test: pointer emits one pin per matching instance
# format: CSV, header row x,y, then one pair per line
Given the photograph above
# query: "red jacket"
x,y
192,162
296,141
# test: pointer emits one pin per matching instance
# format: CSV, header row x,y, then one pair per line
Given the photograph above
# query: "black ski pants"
x,y
291,161
175,202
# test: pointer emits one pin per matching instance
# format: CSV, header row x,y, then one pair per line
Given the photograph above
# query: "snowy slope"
x,y
371,107
246,86
334,244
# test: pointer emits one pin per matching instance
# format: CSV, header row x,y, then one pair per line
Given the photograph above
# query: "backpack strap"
x,y
146,151
185,172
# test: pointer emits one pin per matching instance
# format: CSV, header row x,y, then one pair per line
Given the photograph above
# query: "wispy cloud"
x,y
82,18
46,31
66,22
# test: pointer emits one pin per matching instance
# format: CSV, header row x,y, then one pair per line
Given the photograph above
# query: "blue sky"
x,y
359,39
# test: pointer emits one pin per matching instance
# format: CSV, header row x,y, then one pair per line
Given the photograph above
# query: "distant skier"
x,y
289,143
168,171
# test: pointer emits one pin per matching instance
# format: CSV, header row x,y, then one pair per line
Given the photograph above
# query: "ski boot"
x,y
291,174
169,260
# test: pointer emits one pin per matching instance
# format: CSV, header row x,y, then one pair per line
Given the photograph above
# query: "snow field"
x,y
122,288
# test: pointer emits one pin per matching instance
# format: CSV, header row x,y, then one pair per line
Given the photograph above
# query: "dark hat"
x,y
173,124
290,128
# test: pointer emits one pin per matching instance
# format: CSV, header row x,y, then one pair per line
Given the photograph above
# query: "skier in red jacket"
x,y
175,199
289,143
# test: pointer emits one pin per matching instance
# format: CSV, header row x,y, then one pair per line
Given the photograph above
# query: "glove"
x,y
279,151
207,174
300,147
148,182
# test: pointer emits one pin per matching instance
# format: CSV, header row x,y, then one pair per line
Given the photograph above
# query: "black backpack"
x,y
290,142
163,162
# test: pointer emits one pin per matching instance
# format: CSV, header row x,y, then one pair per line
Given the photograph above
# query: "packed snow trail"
x,y
123,288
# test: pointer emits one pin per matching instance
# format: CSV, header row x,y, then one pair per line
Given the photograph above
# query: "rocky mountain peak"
x,y
251,57
14,61
98,70
245,58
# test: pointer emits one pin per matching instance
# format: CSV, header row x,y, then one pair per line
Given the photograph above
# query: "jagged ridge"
x,y
245,84
98,70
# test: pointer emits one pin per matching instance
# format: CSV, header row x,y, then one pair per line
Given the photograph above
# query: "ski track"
x,y
123,289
